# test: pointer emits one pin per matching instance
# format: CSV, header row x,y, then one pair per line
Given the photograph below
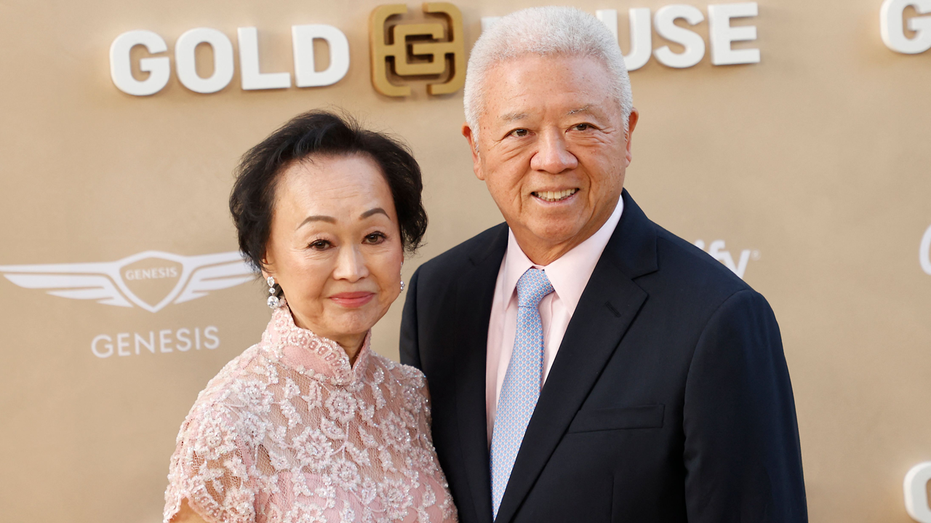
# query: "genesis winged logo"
x,y
150,280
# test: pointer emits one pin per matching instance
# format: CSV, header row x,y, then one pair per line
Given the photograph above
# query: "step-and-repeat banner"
x,y
788,139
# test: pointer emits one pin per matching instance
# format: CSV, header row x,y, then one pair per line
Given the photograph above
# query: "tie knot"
x,y
532,287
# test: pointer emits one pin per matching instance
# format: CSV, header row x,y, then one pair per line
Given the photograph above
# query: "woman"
x,y
311,425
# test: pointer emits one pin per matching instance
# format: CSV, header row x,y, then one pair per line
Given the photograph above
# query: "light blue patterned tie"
x,y
521,387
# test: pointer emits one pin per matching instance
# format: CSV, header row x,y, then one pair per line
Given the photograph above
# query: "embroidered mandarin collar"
x,y
310,354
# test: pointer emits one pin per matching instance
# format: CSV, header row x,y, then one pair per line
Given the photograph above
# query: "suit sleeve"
x,y
409,346
742,454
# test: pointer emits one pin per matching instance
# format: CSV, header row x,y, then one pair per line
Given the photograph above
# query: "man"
x,y
585,364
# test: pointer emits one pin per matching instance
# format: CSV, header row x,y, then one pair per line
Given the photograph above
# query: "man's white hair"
x,y
543,31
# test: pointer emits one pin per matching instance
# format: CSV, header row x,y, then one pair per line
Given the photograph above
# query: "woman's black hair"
x,y
321,133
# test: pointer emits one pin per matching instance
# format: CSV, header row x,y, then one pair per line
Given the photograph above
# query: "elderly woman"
x,y
311,425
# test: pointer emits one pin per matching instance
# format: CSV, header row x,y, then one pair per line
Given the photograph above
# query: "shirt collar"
x,y
569,274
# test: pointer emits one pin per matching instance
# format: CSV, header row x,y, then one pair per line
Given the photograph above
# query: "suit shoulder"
x,y
691,267
472,250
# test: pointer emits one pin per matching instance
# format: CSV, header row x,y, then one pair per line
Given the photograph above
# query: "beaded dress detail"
x,y
289,431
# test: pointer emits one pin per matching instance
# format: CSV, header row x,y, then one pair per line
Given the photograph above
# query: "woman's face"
x,y
335,246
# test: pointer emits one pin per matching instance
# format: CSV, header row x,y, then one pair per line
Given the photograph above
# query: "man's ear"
x,y
631,124
473,147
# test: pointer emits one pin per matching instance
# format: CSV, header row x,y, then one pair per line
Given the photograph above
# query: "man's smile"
x,y
555,196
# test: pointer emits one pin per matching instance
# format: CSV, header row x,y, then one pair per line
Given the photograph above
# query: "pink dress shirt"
x,y
569,275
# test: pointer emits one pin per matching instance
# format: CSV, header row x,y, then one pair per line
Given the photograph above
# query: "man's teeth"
x,y
552,196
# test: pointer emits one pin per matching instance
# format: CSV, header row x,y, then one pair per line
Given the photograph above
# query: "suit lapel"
x,y
474,295
606,310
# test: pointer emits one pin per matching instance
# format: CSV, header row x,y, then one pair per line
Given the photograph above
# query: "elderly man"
x,y
585,364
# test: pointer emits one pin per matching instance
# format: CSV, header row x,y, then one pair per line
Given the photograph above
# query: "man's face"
x,y
551,149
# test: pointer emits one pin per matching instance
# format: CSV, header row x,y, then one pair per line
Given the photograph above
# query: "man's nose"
x,y
553,155
350,265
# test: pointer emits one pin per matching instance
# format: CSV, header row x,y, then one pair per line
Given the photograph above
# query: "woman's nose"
x,y
350,265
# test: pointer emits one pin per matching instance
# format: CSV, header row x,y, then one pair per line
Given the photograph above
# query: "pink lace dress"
x,y
289,431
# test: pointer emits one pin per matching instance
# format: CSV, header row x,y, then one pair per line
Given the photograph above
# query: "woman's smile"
x,y
352,300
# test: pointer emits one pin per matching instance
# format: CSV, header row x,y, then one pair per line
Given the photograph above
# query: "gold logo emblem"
x,y
431,50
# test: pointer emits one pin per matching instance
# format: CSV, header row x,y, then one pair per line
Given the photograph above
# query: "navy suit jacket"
x,y
669,399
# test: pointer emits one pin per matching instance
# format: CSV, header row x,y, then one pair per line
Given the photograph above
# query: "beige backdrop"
x,y
814,161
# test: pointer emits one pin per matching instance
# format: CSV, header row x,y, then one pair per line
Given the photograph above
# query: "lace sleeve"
x,y
210,471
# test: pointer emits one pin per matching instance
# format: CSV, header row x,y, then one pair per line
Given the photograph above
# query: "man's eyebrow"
x,y
316,218
510,117
370,212
583,109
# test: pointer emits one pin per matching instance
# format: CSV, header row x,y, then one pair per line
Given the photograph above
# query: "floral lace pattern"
x,y
289,431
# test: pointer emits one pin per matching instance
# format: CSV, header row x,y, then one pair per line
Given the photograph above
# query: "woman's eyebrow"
x,y
330,219
370,212
316,218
